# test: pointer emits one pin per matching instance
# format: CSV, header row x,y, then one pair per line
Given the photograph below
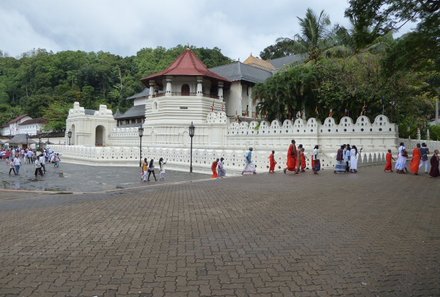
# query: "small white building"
x,y
23,124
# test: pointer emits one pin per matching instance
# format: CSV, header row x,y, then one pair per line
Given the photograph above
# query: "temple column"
x,y
199,86
168,90
250,105
220,90
151,83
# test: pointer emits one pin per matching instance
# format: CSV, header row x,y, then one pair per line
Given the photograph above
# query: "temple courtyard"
x,y
365,234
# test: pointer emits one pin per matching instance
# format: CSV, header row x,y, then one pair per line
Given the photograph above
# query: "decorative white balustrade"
x,y
218,138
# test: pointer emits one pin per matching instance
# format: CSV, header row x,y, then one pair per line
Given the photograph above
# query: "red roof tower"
x,y
187,64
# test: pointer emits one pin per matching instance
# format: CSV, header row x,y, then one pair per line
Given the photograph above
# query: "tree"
x,y
314,35
56,115
283,47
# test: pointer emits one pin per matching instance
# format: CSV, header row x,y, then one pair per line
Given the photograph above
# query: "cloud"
x,y
237,27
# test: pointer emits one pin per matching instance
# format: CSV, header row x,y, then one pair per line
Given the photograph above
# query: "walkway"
x,y
370,234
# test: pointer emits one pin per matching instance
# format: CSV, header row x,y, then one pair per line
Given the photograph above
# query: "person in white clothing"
x,y
162,169
42,160
17,164
354,155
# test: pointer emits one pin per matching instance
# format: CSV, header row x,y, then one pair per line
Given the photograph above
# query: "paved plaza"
x,y
370,234
71,178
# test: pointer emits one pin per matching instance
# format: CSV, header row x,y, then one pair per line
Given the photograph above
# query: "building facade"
x,y
216,101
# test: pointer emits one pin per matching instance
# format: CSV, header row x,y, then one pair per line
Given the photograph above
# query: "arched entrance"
x,y
185,90
99,135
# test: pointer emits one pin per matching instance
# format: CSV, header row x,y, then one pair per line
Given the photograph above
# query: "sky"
x,y
237,27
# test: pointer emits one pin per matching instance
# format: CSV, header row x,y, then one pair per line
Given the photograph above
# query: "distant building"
x,y
23,124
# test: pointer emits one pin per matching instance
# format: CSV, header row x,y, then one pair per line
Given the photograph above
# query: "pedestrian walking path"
x,y
365,234
82,178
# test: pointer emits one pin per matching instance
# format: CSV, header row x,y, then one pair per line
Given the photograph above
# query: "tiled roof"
x,y
187,64
145,93
137,111
287,60
257,62
238,71
17,119
34,121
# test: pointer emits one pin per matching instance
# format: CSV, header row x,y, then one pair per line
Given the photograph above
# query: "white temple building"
x,y
188,92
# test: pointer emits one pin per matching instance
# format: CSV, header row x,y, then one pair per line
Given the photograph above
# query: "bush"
x,y
434,132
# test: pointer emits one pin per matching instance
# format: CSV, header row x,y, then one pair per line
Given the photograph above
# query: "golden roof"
x,y
257,62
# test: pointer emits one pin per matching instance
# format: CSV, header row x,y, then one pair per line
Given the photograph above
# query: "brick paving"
x,y
370,234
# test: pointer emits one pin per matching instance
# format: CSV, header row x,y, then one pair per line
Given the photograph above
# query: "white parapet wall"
x,y
217,137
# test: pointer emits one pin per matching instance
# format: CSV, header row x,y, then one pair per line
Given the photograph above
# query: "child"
x,y
316,163
12,168
272,162
56,160
303,160
162,169
389,164
144,170
214,169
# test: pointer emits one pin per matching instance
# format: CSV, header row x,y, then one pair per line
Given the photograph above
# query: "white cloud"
x,y
237,27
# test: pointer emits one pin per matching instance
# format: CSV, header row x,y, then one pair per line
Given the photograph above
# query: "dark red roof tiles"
x,y
187,64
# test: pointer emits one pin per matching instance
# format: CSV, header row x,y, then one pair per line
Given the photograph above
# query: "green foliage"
x,y
56,114
39,80
313,38
434,132
283,47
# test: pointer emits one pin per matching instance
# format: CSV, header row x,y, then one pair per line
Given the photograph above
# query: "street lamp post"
x,y
69,135
39,142
191,135
141,133
27,141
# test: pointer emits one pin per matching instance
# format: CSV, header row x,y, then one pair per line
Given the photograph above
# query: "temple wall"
x,y
216,137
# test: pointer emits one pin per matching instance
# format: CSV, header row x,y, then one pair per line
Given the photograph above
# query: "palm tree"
x,y
314,34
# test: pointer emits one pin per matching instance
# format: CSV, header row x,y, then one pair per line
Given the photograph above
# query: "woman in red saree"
x,y
214,169
415,162
291,157
272,162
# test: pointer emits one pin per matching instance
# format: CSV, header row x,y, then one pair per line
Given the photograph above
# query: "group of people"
x,y
348,156
296,159
218,168
16,157
419,160
148,170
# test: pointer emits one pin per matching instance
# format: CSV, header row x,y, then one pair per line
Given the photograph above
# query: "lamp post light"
x,y
69,135
39,142
191,135
141,133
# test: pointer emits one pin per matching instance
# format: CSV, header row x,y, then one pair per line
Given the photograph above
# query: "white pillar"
x,y
419,136
199,86
168,90
151,83
220,90
250,105
428,136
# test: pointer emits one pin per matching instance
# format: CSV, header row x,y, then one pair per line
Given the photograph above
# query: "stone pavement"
x,y
370,234
80,178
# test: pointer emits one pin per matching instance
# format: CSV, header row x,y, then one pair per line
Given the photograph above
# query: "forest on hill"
x,y
362,68
45,84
